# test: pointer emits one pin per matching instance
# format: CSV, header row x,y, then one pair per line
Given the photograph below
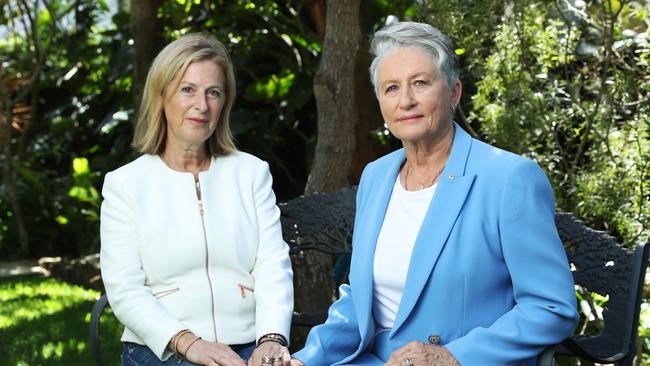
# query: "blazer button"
x,y
434,339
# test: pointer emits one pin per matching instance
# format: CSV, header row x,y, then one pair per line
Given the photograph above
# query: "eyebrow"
x,y
196,86
419,74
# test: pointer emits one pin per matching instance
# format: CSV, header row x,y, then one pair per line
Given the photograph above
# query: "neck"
x,y
430,153
425,161
192,160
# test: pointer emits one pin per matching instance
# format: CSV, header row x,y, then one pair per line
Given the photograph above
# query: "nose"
x,y
200,102
406,100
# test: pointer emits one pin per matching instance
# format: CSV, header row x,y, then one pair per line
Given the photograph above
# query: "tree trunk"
x,y
338,116
318,11
8,174
31,120
369,114
148,40
334,86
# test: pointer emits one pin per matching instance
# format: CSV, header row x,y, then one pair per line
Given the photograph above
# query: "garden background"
x,y
564,82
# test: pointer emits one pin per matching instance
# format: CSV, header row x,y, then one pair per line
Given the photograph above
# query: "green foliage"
x,y
616,188
644,332
63,85
567,87
74,91
45,322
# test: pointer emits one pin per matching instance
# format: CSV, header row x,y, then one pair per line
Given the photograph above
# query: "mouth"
x,y
409,117
198,121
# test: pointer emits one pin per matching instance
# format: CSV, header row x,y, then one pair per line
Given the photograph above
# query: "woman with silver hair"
x,y
456,255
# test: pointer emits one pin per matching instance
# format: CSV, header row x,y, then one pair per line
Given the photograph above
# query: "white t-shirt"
x,y
404,216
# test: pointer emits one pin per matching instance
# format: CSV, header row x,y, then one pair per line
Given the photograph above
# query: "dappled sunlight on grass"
x,y
45,322
30,300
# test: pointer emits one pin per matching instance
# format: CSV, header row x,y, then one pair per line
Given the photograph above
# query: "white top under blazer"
x,y
404,216
218,267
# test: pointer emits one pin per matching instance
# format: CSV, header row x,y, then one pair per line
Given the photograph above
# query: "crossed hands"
x,y
217,354
213,354
420,354
414,354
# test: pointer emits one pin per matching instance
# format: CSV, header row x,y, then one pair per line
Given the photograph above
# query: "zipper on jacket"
x,y
197,185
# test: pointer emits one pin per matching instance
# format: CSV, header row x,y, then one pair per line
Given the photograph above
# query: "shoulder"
x,y
243,169
240,159
504,174
487,159
135,170
144,162
127,180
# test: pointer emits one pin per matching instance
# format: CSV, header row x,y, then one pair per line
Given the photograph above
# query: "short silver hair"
x,y
419,35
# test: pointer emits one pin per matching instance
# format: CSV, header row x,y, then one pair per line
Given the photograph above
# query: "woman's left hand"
x,y
420,354
270,354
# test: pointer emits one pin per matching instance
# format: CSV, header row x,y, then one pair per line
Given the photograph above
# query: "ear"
x,y
456,92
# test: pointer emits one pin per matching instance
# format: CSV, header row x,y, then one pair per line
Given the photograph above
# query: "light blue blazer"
x,y
488,274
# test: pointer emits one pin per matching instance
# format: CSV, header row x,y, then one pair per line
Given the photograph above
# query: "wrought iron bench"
x,y
323,222
600,265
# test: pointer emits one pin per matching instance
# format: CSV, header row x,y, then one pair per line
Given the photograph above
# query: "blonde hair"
x,y
170,64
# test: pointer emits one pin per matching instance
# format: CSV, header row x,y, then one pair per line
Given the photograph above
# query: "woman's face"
x,y
414,97
193,108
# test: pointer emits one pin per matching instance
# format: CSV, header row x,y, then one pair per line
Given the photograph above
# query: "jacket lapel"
x,y
379,189
441,215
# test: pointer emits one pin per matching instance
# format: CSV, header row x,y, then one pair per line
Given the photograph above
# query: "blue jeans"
x,y
137,355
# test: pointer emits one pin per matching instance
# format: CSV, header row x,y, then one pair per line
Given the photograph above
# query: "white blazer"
x,y
226,276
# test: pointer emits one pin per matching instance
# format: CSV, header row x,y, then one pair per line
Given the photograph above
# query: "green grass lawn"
x,y
45,322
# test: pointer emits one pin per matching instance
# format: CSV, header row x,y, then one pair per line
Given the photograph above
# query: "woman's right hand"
x,y
210,354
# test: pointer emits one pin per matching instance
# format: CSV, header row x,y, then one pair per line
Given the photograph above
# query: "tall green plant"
x,y
568,87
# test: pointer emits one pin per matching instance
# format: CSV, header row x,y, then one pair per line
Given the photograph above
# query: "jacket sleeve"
x,y
335,339
543,288
338,338
272,272
122,273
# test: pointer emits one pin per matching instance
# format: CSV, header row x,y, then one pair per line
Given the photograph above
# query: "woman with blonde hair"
x,y
192,254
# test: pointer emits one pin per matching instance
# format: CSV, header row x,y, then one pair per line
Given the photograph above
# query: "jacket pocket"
x,y
245,290
159,293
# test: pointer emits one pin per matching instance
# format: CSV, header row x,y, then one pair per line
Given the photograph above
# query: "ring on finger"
x,y
267,360
277,359
408,362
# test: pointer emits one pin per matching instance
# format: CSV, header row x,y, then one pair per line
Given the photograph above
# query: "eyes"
x,y
213,93
416,84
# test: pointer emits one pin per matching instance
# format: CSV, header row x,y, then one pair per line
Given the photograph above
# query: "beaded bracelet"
x,y
272,337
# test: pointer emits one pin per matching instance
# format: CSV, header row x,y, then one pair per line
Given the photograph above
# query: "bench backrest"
x,y
603,266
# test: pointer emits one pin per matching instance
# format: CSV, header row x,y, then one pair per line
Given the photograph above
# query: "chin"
x,y
420,134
